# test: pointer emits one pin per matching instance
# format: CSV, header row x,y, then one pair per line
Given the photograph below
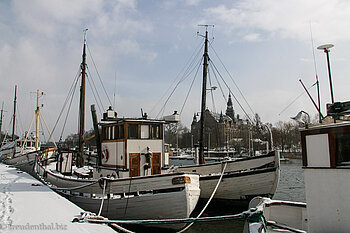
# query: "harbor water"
x,y
290,187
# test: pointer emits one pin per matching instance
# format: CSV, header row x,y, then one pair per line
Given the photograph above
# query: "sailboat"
x,y
127,181
22,152
243,178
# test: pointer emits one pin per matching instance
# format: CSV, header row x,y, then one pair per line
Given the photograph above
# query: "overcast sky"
x,y
139,48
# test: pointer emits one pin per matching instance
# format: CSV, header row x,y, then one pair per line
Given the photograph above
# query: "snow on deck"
x,y
26,205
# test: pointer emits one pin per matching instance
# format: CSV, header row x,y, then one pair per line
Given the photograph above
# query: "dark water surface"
x,y
290,187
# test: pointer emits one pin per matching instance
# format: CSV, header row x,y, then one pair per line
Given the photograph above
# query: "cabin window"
x,y
29,144
144,131
155,131
132,131
121,132
103,133
18,144
342,148
116,132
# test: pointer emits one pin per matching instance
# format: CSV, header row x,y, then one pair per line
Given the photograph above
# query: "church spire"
x,y
221,120
194,118
229,110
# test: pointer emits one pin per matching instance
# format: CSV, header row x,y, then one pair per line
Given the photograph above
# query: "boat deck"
x,y
28,205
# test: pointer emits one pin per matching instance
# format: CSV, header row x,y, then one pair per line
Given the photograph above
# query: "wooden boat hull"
x,y
232,165
156,206
242,180
241,186
24,162
163,196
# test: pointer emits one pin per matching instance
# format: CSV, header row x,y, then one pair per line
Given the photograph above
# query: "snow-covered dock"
x,y
26,205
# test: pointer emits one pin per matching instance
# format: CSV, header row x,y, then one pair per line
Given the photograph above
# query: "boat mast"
x,y
1,115
204,90
80,158
14,121
37,121
14,115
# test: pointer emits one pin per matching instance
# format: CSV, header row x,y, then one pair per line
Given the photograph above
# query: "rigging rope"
x,y
98,74
221,89
211,91
185,70
70,104
211,197
176,86
93,90
301,94
232,78
189,90
246,114
47,129
66,100
43,133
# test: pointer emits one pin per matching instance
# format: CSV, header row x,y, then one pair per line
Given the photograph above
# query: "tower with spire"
x,y
229,110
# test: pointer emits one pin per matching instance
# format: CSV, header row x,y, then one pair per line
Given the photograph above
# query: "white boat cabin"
x,y
18,147
132,147
326,162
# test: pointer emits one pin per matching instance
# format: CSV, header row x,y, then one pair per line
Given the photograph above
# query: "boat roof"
x,y
138,120
325,126
7,146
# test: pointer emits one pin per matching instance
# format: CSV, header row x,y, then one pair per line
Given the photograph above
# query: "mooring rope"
x,y
208,202
248,215
103,197
121,228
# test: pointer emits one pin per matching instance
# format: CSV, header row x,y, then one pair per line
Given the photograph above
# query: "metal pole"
x,y
329,74
319,100
317,108
325,49
97,134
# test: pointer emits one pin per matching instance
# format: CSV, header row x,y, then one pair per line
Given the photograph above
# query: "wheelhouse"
x,y
132,147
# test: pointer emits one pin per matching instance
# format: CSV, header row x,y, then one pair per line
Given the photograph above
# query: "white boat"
x,y
22,152
131,165
127,181
243,178
326,163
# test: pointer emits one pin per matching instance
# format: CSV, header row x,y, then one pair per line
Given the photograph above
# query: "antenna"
x,y
326,48
317,82
115,86
85,30
206,29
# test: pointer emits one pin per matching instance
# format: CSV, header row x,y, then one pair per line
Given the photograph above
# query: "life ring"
x,y
105,155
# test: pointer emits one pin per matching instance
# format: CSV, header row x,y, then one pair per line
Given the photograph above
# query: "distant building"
x,y
219,129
